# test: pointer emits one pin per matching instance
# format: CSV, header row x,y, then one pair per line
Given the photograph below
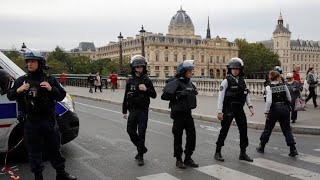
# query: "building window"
x,y
202,58
166,68
157,68
166,74
184,57
175,68
157,74
175,57
166,58
202,72
192,57
217,59
211,59
223,59
157,56
277,44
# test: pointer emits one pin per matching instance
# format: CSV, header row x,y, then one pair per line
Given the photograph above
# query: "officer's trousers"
x,y
42,133
138,121
241,121
183,121
279,113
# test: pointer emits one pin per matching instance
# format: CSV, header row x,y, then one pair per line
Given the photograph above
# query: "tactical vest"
x,y
236,92
138,99
278,93
37,99
189,101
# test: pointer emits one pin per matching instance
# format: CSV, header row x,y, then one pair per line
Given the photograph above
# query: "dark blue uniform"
x,y
137,102
37,106
278,109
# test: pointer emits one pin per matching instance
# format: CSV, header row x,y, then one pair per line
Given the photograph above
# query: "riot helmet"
x,y
35,54
138,60
278,69
185,66
235,63
4,81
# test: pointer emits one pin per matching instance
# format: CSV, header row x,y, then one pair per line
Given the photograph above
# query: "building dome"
x,y
181,24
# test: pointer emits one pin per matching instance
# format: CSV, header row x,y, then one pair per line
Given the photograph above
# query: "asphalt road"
x,y
103,150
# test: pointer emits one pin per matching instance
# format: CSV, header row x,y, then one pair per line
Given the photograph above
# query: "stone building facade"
x,y
84,49
165,52
294,52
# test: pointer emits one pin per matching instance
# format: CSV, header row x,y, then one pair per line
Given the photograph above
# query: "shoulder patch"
x,y
221,88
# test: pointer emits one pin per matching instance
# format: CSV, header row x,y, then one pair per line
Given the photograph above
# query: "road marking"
x,y
122,122
82,161
161,176
210,128
117,112
98,108
92,154
307,158
222,172
317,150
285,169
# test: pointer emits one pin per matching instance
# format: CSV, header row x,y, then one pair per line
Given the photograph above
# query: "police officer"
x,y
277,109
139,89
36,94
182,96
233,95
4,81
279,70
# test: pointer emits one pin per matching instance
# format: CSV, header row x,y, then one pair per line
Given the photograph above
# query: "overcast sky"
x,y
44,24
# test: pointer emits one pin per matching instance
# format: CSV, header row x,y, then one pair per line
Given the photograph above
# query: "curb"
x,y
312,130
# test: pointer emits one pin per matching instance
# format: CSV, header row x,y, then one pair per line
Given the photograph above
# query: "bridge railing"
x,y
205,86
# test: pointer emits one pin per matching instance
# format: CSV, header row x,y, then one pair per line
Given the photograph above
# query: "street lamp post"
x,y
23,46
120,37
142,34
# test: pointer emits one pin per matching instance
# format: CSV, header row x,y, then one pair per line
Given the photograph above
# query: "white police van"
x,y
10,129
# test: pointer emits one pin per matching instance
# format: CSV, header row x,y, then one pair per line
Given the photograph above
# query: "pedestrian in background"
x,y
63,79
277,109
294,89
296,75
97,82
114,81
312,81
90,82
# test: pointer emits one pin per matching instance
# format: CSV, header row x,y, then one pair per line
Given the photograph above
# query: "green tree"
x,y
257,58
60,55
81,64
56,67
16,58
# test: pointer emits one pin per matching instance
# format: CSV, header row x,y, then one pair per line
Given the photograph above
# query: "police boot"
x,y
144,150
140,160
218,155
260,149
38,176
63,175
180,164
189,162
293,151
243,156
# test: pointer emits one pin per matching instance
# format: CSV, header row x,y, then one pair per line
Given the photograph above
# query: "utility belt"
x,y
281,105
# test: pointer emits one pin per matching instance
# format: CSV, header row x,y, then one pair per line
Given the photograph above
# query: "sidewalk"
x,y
308,122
